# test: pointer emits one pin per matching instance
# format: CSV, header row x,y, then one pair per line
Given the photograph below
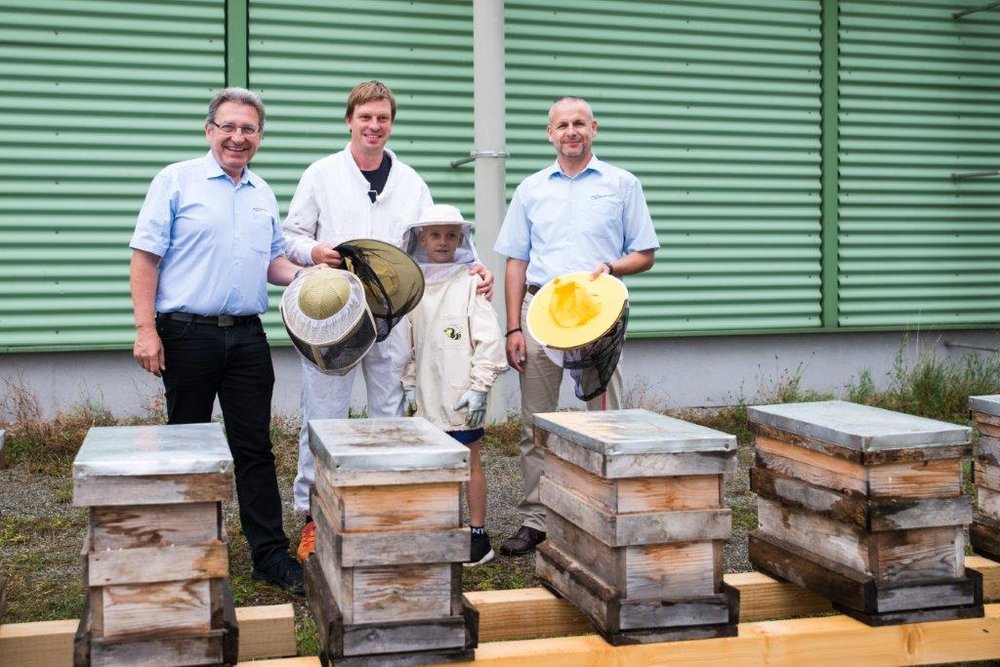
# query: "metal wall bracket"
x,y
966,12
963,176
503,155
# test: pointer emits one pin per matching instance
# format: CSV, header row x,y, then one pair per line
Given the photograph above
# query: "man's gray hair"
x,y
571,98
237,96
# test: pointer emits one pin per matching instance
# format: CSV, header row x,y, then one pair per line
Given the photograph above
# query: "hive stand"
x,y
155,558
385,582
865,507
984,533
635,523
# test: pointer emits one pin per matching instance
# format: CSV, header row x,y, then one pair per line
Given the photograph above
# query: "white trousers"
x,y
329,397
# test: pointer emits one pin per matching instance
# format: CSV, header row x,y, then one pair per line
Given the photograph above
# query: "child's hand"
x,y
410,401
476,402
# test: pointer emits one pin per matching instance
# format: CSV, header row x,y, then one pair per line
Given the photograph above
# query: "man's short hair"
x,y
237,96
571,98
369,91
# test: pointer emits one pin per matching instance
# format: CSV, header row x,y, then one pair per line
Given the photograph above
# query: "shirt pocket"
x,y
602,209
260,232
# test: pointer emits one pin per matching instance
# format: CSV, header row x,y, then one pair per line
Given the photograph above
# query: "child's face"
x,y
441,241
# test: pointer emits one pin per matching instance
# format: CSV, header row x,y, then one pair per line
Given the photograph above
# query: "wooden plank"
x,y
986,474
841,543
940,478
984,535
637,527
265,632
831,641
147,565
981,417
918,554
404,547
152,489
656,571
989,449
987,428
199,650
866,458
399,507
922,513
988,502
684,492
148,609
810,466
526,613
154,525
597,490
408,592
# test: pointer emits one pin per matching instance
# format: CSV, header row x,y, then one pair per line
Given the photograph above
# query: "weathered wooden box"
x,y
864,506
636,521
155,558
984,533
385,582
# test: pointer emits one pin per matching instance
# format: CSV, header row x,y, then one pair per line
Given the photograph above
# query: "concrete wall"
x,y
666,373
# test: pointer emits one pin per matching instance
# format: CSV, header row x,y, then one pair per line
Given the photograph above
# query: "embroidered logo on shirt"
x,y
452,333
611,194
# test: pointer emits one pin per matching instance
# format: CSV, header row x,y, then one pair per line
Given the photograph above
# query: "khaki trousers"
x,y
540,383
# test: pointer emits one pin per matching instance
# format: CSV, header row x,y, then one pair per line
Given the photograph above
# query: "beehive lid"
x,y
182,449
857,427
988,404
621,444
355,449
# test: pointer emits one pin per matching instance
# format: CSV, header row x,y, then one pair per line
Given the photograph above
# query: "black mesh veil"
x,y
592,365
387,306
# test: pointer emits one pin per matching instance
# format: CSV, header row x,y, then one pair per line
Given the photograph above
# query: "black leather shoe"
x,y
286,573
523,541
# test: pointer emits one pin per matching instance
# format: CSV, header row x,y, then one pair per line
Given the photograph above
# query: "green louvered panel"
x,y
97,96
919,94
306,56
715,107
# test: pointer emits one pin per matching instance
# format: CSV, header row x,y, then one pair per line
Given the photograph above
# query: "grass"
x,y
39,552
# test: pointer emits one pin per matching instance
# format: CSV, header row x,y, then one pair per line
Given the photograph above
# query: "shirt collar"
x,y
214,170
594,165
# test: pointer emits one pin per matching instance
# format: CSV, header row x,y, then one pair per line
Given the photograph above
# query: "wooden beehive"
x,y
385,582
865,507
155,558
984,533
635,523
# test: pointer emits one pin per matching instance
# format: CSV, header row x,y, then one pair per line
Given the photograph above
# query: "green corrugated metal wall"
x,y
715,106
306,56
919,100
95,98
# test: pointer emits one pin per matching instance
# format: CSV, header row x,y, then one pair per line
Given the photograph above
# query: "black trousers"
x,y
204,360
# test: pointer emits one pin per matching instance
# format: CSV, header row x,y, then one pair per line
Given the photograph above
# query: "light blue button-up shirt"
x,y
215,238
561,224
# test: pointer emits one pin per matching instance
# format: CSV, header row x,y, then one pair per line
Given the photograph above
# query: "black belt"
x,y
214,320
533,289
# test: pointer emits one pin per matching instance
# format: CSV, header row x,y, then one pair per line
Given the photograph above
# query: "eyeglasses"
x,y
229,128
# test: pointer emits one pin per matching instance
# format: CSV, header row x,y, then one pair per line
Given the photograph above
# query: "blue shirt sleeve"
x,y
152,229
637,222
514,239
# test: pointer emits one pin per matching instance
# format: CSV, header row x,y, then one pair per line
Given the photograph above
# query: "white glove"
x,y
410,401
476,402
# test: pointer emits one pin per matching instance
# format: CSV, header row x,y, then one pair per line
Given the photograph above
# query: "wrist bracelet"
x,y
611,268
514,330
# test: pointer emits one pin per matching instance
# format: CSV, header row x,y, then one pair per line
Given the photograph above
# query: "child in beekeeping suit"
x,y
458,348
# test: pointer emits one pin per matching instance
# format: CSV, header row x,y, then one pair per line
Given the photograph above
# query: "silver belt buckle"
x,y
226,320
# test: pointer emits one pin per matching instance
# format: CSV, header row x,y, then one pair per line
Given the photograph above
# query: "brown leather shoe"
x,y
523,541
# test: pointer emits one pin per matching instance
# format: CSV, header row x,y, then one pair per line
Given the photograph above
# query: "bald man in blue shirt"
x,y
577,214
207,242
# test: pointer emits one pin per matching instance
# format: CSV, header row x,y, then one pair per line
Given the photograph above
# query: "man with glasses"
x,y
361,192
207,242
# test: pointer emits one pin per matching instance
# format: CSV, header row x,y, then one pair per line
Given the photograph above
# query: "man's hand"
x,y
486,285
148,350
323,253
603,267
516,351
